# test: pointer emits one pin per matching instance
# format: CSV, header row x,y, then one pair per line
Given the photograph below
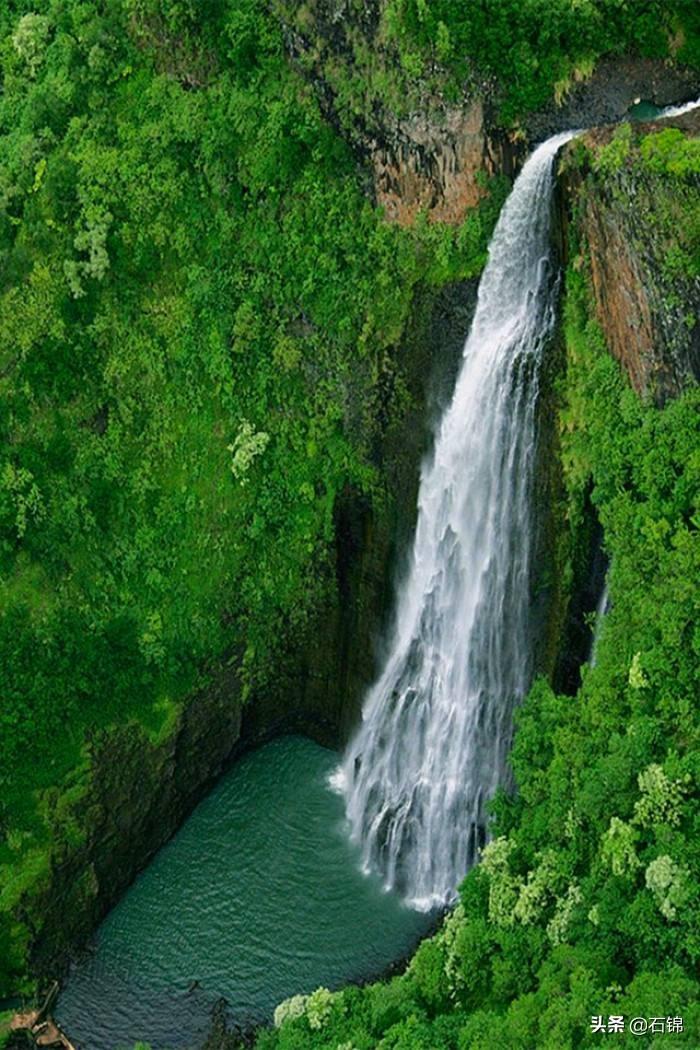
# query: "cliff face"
x,y
628,205
425,152
130,799
421,151
634,218
438,160
438,165
328,676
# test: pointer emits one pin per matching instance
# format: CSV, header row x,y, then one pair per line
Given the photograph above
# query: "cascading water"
x,y
601,610
436,727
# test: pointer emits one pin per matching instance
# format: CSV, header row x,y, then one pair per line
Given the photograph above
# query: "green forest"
x,y
588,892
203,316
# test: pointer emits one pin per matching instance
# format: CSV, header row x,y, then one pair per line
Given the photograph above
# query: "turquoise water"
x,y
644,110
259,896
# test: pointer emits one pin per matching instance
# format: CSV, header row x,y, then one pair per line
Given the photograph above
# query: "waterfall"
x,y
601,609
436,727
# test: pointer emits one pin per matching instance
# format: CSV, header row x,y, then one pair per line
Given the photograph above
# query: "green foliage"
x,y
400,57
318,1008
670,152
668,882
30,39
610,159
245,448
586,900
290,1009
659,172
198,312
531,51
618,847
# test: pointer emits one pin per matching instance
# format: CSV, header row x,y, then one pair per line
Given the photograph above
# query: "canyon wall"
x,y
134,789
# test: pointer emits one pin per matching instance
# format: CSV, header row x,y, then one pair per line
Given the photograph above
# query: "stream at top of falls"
x,y
257,897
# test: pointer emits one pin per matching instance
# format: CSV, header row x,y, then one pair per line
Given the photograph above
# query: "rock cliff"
x,y
633,218
438,165
424,152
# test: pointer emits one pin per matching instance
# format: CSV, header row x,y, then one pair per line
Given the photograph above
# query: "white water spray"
x,y
436,727
678,111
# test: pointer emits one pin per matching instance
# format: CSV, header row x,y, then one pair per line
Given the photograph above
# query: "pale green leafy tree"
x,y
504,887
91,240
30,39
540,887
247,445
318,1008
619,847
453,962
637,679
560,923
289,1009
668,883
661,798
571,824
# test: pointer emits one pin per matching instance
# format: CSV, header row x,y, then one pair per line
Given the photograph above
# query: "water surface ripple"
x,y
259,896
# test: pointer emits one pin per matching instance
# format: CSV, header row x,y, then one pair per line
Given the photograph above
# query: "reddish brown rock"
x,y
629,219
622,304
435,165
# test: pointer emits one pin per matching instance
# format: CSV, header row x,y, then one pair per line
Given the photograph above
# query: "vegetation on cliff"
x,y
637,195
200,325
587,900
401,55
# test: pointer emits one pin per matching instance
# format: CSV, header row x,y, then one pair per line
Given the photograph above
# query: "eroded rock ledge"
x,y
439,161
